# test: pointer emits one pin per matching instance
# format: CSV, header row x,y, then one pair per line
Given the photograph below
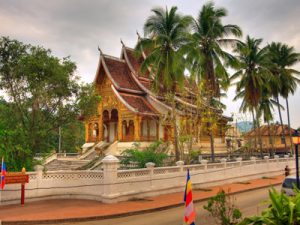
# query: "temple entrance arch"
x,y
113,125
110,125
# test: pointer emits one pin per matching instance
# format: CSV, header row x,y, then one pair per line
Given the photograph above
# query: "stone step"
x,y
59,164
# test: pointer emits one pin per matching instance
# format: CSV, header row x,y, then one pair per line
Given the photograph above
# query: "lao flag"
x,y
3,174
189,213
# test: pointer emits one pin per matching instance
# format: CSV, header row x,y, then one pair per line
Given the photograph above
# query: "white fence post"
x,y
224,162
110,176
39,174
267,160
180,165
204,162
150,166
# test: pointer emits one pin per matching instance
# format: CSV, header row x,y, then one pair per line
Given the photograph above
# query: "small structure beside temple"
x,y
131,112
273,138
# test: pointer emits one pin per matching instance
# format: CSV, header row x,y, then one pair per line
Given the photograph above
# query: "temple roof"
x,y
136,63
139,103
120,73
134,88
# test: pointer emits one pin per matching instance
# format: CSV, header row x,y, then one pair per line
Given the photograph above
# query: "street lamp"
x,y
296,142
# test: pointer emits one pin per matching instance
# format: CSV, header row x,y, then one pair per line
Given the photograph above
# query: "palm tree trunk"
x,y
259,133
289,124
176,147
212,147
280,117
270,139
254,128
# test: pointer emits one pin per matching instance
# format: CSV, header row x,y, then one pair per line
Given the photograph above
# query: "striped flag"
x,y
3,174
189,213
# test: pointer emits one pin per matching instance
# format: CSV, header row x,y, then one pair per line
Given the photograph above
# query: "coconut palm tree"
x,y
253,76
205,56
165,34
281,58
266,110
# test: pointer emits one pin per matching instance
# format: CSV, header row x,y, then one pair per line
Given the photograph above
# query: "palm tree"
x,y
165,34
205,55
265,109
282,57
253,76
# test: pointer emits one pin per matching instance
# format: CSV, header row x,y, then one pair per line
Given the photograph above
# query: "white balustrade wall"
x,y
112,185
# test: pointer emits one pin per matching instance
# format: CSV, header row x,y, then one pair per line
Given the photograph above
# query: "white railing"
x,y
112,184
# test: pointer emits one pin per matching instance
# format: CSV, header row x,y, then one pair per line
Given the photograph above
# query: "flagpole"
x,y
1,171
1,182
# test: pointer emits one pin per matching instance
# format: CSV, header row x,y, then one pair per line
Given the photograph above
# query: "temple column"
x,y
119,127
137,130
86,127
100,122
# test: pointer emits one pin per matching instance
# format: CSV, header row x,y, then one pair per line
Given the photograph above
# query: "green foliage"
x,y
42,94
154,153
283,210
87,100
222,208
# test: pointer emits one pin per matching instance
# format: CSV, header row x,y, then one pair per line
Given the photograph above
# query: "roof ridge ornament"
x,y
139,36
101,53
122,42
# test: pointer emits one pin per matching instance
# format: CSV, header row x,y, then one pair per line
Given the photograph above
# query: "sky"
x,y
76,28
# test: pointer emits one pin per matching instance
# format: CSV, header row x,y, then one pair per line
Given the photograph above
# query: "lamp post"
x,y
296,142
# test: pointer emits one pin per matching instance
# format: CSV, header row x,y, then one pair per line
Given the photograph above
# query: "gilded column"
x,y
119,138
100,122
86,126
137,132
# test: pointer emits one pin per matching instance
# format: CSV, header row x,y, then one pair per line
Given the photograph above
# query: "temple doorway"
x,y
110,125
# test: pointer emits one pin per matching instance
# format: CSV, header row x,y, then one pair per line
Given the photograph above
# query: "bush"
x,y
222,208
153,153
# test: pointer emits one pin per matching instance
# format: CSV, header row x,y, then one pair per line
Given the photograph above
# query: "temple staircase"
x,y
90,156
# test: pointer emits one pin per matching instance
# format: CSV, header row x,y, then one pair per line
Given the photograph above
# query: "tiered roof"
x,y
134,88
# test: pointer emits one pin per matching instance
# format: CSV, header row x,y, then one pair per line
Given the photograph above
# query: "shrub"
x,y
153,153
222,208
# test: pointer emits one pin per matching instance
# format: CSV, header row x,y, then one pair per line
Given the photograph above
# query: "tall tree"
x,y
253,76
42,93
281,58
165,33
205,55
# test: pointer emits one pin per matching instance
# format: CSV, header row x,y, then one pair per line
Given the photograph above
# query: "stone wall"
x,y
112,185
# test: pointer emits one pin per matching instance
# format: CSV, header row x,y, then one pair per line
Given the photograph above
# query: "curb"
x,y
119,215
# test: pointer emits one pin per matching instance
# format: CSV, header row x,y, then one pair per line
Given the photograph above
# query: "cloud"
x,y
77,27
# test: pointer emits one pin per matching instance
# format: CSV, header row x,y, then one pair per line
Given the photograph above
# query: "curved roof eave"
x,y
129,107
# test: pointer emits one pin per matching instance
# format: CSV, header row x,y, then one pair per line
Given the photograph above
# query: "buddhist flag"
x,y
3,174
189,213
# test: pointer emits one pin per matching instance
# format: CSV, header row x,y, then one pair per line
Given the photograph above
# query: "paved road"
x,y
250,203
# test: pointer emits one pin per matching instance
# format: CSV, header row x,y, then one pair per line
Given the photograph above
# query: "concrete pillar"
x,y
267,160
110,176
253,159
224,162
204,162
180,165
39,178
150,166
240,160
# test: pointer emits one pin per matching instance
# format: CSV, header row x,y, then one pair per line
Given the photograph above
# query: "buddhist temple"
x,y
130,111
